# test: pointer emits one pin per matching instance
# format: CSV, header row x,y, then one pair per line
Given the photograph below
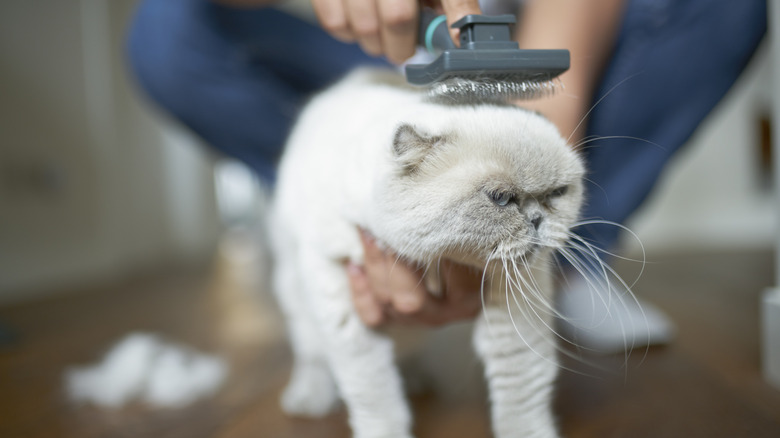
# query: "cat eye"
x,y
557,193
502,199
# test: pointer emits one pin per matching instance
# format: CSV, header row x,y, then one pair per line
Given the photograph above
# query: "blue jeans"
x,y
238,78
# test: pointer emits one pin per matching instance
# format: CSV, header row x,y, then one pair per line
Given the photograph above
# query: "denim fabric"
x,y
673,62
236,77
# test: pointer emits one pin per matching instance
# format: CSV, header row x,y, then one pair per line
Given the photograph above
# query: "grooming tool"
x,y
488,67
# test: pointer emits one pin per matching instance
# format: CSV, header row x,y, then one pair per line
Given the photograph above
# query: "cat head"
x,y
478,183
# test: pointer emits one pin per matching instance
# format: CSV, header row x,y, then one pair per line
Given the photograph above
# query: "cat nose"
x,y
536,220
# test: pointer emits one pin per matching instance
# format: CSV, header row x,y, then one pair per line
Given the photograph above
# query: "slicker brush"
x,y
488,67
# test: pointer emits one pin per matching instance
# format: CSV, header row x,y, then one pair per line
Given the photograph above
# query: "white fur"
x,y
370,152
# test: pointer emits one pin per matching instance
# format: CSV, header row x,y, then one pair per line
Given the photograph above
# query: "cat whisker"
x,y
517,329
593,248
585,116
529,282
622,228
583,257
589,277
599,250
587,140
488,264
597,270
545,325
607,295
606,302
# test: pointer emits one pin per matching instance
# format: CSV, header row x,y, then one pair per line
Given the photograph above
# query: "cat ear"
x,y
411,147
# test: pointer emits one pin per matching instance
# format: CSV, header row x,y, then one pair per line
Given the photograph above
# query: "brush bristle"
x,y
464,91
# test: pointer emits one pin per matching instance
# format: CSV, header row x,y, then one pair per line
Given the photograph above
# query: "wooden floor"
x,y
706,384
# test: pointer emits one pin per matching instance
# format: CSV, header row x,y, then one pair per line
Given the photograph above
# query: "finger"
x,y
372,254
398,28
333,18
460,282
407,292
377,265
363,17
436,312
462,299
467,307
392,280
457,9
367,308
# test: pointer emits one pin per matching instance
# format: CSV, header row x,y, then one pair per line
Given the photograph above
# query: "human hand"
x,y
387,290
384,27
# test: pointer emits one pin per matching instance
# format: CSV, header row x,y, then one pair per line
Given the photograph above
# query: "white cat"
x,y
494,187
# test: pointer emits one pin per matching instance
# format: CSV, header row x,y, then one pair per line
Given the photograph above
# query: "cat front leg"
x,y
311,391
520,369
361,359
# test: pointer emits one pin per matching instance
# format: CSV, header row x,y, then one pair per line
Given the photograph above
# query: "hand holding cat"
x,y
386,289
384,27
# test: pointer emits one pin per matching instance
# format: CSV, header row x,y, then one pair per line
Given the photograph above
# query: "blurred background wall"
x,y
95,185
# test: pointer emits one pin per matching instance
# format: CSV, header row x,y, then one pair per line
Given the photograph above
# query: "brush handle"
x,y
486,32
476,32
487,52
433,33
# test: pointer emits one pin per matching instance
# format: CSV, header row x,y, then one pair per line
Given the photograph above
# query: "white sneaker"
x,y
609,319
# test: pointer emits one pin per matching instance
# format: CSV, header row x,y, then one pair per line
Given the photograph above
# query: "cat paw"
x,y
311,392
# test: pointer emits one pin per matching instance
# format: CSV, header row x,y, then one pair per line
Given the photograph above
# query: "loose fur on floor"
x,y
493,187
144,367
